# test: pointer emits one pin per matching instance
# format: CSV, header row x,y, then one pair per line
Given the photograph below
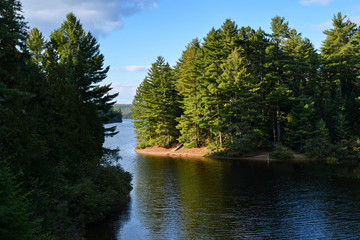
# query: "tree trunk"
x,y
221,139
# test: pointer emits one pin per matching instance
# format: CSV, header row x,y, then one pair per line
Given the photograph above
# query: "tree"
x,y
340,55
14,132
188,85
80,53
218,45
239,113
36,45
337,67
156,107
17,220
301,121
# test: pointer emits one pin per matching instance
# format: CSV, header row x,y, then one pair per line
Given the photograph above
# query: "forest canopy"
x,y
248,90
55,174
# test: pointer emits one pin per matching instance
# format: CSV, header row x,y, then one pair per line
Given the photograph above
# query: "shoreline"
x,y
182,152
203,153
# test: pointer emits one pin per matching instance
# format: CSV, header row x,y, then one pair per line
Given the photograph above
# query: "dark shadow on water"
x,y
108,228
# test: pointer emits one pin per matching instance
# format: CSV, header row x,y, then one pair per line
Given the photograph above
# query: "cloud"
x,y
135,68
101,17
131,68
328,24
126,92
309,2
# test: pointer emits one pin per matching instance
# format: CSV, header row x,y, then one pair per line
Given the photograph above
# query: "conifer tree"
x,y
36,45
14,132
156,107
188,86
217,46
79,51
300,123
340,57
277,76
337,68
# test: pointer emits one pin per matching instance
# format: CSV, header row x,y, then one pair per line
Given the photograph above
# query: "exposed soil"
x,y
204,152
182,152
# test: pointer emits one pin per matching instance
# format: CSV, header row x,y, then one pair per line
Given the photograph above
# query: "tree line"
x,y
247,90
55,174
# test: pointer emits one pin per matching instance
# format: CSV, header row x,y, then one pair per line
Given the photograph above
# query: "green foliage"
x,y
319,145
242,90
117,116
126,110
52,111
281,153
17,220
156,107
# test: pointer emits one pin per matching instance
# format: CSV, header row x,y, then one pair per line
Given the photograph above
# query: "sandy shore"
x,y
196,152
182,152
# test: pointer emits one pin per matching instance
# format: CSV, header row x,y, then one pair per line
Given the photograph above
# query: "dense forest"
x,y
126,110
55,175
245,90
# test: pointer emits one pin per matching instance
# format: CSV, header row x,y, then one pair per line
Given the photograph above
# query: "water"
x,y
220,199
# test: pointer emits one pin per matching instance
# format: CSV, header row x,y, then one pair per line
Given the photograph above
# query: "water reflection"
x,y
206,198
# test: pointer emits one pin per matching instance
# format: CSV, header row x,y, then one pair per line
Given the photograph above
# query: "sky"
x,y
133,33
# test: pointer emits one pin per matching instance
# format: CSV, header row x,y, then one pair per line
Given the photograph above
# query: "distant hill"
x,y
125,110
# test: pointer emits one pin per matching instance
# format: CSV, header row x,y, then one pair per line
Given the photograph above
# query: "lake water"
x,y
177,198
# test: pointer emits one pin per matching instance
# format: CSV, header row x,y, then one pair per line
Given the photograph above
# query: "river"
x,y
177,198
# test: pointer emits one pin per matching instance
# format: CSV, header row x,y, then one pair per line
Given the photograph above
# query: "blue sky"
x,y
132,33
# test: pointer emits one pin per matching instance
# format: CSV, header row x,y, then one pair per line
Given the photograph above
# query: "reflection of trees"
x,y
157,196
108,228
199,199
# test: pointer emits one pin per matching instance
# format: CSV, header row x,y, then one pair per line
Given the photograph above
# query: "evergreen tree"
x,y
14,132
340,57
301,121
217,46
16,218
36,45
239,112
156,107
277,77
337,68
80,53
188,86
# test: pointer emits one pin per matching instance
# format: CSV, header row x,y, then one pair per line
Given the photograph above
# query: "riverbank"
x,y
206,153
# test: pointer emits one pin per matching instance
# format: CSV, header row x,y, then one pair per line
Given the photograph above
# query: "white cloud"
x,y
98,16
321,2
136,68
328,24
126,92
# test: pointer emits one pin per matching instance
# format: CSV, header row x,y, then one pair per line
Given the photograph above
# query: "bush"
x,y
281,153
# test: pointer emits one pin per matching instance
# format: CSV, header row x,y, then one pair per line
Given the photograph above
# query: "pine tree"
x,y
303,66
301,121
16,218
156,107
36,45
80,52
239,109
14,132
217,46
188,85
337,69
277,77
340,57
